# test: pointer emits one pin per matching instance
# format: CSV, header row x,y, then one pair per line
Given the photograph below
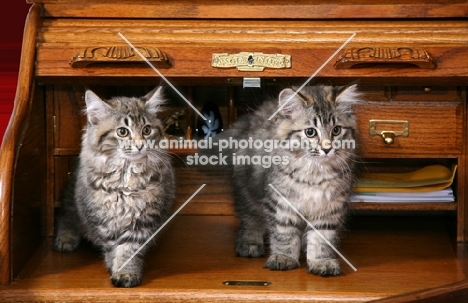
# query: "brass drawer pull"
x,y
388,135
369,56
118,55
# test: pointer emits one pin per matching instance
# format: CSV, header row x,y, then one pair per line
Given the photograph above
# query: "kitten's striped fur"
x,y
119,195
317,182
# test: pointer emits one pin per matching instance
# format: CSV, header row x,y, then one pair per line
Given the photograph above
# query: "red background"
x,y
13,17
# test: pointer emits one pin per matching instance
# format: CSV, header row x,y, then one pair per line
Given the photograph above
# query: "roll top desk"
x,y
408,58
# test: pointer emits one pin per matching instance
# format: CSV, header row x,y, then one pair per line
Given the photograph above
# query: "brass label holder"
x,y
246,283
388,135
250,61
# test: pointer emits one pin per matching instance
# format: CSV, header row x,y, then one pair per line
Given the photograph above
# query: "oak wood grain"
x,y
29,206
195,255
191,43
270,9
454,292
13,138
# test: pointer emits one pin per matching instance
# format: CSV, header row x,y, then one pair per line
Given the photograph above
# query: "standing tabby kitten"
x,y
122,189
317,180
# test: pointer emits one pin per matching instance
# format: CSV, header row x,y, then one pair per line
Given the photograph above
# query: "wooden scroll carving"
x,y
117,55
367,56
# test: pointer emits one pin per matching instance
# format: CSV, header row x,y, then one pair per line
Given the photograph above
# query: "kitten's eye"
x,y
122,132
310,132
146,130
336,130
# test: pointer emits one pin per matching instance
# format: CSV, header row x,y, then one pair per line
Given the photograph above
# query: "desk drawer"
x,y
410,129
209,50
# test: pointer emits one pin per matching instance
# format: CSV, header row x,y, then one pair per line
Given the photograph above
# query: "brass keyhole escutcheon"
x,y
250,60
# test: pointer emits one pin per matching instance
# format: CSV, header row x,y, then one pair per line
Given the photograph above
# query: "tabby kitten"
x,y
123,187
317,179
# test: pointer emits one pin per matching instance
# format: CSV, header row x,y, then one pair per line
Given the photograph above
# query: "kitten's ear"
x,y
347,94
154,100
292,103
96,109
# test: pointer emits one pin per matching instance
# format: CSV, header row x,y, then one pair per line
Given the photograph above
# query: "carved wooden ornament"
x,y
118,54
382,55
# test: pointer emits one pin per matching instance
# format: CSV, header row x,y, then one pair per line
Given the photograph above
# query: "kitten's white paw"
x,y
126,279
66,243
281,262
324,267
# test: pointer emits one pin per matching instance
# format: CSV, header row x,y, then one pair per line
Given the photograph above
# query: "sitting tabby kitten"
x,y
317,180
122,189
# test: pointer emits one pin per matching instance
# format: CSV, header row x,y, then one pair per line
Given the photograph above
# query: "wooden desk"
x,y
409,59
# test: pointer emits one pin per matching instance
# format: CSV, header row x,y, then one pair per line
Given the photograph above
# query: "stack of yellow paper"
x,y
428,184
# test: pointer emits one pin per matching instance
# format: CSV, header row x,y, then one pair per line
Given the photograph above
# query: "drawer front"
x,y
426,93
410,129
190,50
420,93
